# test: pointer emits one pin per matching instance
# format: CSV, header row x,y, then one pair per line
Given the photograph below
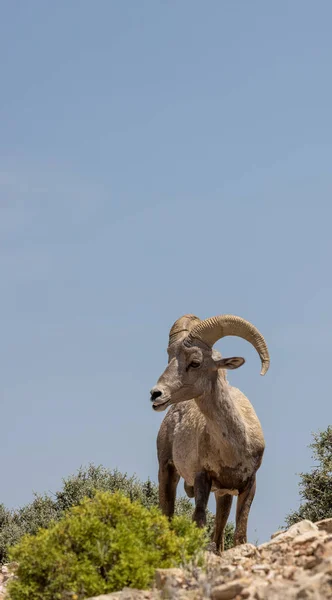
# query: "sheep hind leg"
x,y
244,502
202,488
168,480
223,508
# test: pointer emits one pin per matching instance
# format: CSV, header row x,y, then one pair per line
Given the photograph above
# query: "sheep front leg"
x,y
202,488
168,480
244,502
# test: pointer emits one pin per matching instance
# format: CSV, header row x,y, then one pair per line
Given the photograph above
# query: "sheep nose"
x,y
155,394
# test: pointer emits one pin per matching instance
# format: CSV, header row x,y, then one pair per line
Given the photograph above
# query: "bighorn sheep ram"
x,y
211,436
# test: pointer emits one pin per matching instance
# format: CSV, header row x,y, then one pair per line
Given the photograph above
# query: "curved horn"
x,y
215,328
182,327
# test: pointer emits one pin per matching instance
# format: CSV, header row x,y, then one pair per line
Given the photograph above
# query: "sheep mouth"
x,y
160,405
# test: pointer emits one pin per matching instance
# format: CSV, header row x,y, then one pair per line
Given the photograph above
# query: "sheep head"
x,y
193,364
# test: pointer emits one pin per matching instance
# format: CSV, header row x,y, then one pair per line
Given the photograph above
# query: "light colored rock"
x,y
325,525
300,527
325,566
107,596
317,587
230,590
171,577
289,572
226,570
308,562
291,533
260,568
239,552
259,591
304,538
277,533
7,573
125,594
211,559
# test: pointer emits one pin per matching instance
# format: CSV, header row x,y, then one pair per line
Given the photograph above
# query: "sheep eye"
x,y
195,364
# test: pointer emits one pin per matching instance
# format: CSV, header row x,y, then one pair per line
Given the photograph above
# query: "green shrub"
x,y
45,509
101,546
86,481
10,532
316,486
15,524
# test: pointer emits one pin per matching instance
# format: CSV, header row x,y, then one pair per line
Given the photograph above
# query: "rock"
x,y
277,533
226,570
325,525
288,536
304,538
7,573
318,587
325,566
108,596
125,594
212,559
228,591
170,577
259,591
289,572
239,552
295,530
260,568
307,562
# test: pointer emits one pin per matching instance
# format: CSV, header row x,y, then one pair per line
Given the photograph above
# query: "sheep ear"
x,y
229,363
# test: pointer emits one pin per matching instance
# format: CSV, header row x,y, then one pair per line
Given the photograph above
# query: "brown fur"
x,y
211,437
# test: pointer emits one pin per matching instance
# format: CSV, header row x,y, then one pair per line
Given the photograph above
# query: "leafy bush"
x,y
14,524
316,486
10,532
45,509
101,546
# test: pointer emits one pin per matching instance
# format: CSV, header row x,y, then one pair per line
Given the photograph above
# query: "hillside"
x,y
295,564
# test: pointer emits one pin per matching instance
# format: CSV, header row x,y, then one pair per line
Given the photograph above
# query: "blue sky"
x,y
159,158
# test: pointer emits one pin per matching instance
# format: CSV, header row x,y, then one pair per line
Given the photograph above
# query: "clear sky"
x,y
159,158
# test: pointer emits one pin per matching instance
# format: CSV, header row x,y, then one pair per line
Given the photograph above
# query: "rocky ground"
x,y
6,574
296,563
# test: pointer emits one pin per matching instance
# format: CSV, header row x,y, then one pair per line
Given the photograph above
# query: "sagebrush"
x,y
102,545
85,483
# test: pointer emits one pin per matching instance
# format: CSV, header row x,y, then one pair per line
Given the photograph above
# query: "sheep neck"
x,y
223,421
